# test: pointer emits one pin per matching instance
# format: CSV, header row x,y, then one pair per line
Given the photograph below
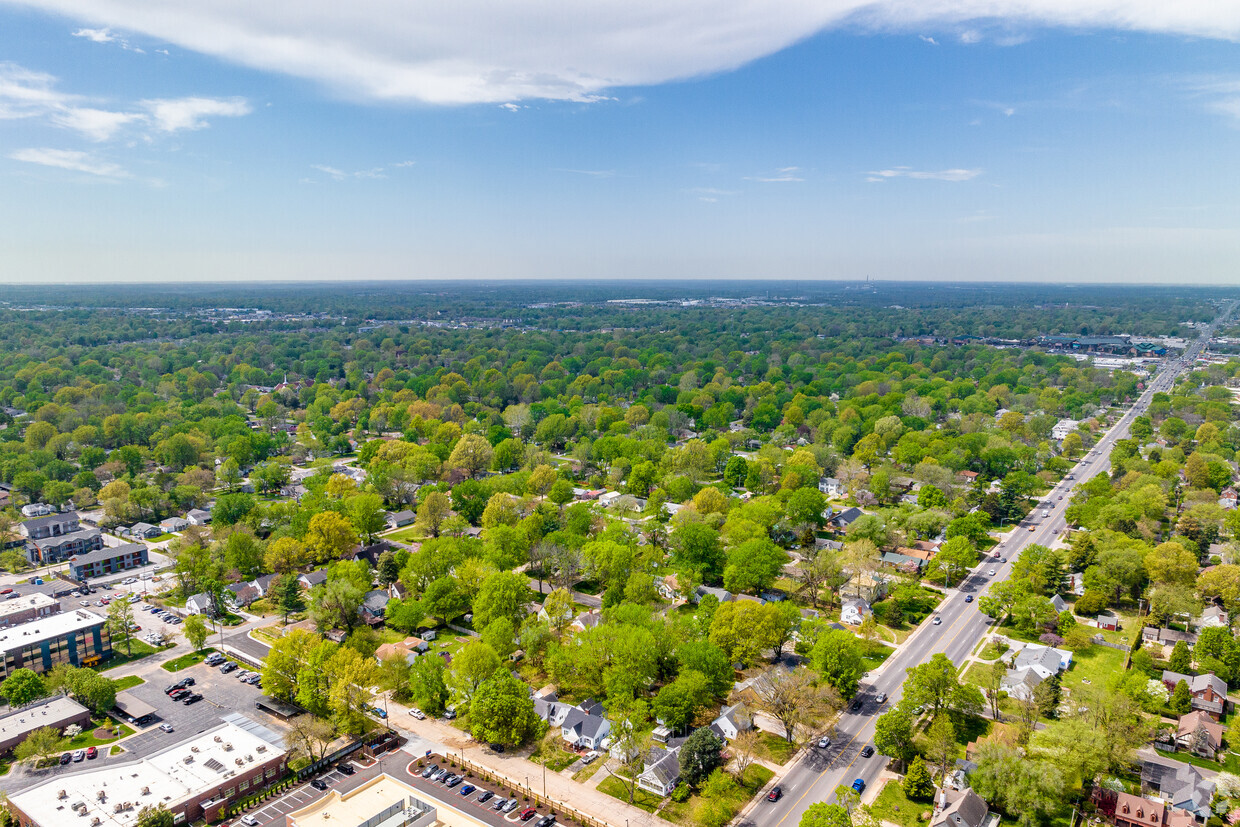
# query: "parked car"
x,y
79,756
528,813
178,694
379,712
92,752
346,768
228,666
66,758
545,821
453,781
417,713
129,581
511,805
776,793
249,820
500,803
588,758
485,796
255,680
319,784
496,747
467,789
214,659
429,771
192,699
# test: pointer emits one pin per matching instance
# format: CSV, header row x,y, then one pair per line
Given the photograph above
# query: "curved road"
x,y
815,776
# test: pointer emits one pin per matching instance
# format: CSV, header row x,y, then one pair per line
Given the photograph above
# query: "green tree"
x,y
367,515
700,755
434,509
446,599
822,814
917,783
942,745
286,592
893,734
23,686
1181,661
120,624
427,686
475,663
196,631
154,815
335,604
1181,699
502,594
40,745
502,711
697,547
329,536
837,657
678,702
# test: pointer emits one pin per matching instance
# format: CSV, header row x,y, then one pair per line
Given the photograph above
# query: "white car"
x,y
249,820
938,621
589,757
129,581
992,573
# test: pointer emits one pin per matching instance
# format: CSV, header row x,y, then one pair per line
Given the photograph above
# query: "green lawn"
x,y
87,737
550,753
684,812
894,806
140,649
1094,665
408,534
128,682
874,654
992,652
186,660
616,788
772,747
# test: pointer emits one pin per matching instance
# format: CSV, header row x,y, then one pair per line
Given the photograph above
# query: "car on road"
x,y
992,573
995,555
467,789
129,581
92,753
1002,559
166,727
249,820
79,756
776,793
1032,527
859,786
484,797
968,598
346,769
417,713
824,742
192,699
857,704
867,751
528,813
319,784
938,621
882,698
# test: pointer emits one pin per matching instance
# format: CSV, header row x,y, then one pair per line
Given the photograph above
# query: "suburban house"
x,y
1032,665
399,519
1214,616
312,578
1166,637
37,510
1227,498
1062,428
668,587
374,606
143,531
1199,734
1180,785
854,611
173,524
582,726
1209,691
1135,811
661,772
963,809
846,517
732,721
904,562
199,604
722,595
1075,583
831,487
1059,603
241,594
1108,621
586,620
409,649
197,516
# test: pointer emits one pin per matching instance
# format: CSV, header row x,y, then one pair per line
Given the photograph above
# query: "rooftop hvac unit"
x,y
218,739
189,759
61,794
193,749
228,747
146,790
238,762
262,747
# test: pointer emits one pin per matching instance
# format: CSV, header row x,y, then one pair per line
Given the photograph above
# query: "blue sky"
x,y
990,139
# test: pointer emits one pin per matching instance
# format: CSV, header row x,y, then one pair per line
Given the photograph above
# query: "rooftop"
x,y
106,553
25,603
168,777
47,628
382,795
16,724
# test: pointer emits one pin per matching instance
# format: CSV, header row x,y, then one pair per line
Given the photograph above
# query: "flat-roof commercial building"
x,y
78,637
58,713
383,801
26,608
195,779
108,560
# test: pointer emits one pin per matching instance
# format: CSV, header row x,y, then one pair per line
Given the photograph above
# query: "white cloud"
x,y
95,124
403,164
70,160
331,172
174,114
97,35
475,51
929,40
924,175
782,175
1221,94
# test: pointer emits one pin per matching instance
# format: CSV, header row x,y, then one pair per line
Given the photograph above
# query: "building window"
x,y
228,793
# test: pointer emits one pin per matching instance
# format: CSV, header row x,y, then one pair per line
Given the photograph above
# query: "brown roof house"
x,y
1199,734
963,809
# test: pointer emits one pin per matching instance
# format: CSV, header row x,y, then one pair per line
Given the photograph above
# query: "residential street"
x,y
816,775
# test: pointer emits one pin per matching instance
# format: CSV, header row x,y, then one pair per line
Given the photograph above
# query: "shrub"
x,y
1051,639
681,793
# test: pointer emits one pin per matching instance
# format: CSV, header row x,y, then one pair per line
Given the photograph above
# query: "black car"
x,y
867,751
347,769
856,705
776,793
192,699
545,821
66,758
319,784
179,694
486,796
497,747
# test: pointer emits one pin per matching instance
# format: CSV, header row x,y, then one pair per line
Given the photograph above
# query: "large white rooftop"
x,y
24,603
51,712
169,777
47,628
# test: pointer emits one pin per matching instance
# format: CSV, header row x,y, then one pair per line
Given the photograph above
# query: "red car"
x,y
528,813
91,752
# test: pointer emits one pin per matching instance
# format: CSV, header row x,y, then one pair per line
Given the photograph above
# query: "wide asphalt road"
x,y
958,628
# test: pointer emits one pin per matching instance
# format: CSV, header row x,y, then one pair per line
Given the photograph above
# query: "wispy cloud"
x,y
878,176
929,40
403,164
592,173
25,93
337,174
106,35
481,52
175,114
71,160
1221,95
331,172
783,175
